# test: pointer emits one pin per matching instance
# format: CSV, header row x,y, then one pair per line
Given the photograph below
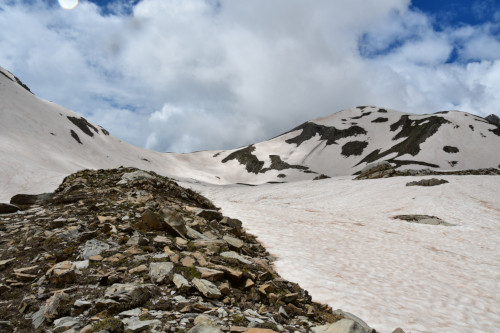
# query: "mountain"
x,y
42,142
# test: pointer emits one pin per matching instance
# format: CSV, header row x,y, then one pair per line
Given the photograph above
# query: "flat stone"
x,y
188,261
138,269
231,273
131,313
234,242
161,272
5,263
234,255
137,325
259,330
210,274
207,288
64,324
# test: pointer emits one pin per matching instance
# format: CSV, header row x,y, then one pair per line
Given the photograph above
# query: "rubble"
x,y
126,250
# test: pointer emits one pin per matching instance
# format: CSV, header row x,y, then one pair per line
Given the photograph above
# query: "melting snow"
x,y
337,239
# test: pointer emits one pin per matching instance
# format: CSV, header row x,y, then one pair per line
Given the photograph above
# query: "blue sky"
x,y
184,75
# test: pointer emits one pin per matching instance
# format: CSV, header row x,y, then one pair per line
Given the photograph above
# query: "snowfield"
x,y
336,238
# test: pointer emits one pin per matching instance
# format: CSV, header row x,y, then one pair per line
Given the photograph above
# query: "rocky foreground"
x,y
125,250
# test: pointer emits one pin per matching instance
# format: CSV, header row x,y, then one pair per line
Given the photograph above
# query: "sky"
x,y
186,75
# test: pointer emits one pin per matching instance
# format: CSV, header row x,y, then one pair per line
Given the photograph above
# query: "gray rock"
x,y
234,255
131,313
137,325
161,272
64,324
93,247
38,317
207,288
6,208
358,320
342,326
181,283
427,182
130,293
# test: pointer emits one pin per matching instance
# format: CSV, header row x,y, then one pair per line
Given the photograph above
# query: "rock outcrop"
x,y
125,250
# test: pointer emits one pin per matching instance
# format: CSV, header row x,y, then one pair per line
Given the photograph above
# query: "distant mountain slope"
x,y
343,143
41,142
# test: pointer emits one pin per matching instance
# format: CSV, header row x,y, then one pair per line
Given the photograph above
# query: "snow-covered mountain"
x,y
41,142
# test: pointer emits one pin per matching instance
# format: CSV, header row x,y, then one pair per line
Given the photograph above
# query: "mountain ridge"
x,y
42,142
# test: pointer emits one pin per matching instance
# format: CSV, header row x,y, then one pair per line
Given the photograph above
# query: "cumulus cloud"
x,y
183,75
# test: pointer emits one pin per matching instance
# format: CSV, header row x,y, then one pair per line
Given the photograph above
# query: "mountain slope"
x,y
41,142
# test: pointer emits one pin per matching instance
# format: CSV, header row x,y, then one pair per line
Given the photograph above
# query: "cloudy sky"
x,y
184,75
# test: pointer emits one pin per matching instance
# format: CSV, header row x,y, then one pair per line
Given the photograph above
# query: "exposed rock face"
x,y
427,182
144,254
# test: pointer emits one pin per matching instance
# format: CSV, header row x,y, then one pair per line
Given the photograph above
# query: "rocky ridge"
x,y
126,250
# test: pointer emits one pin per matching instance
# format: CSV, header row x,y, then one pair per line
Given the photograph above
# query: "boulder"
x,y
6,208
161,272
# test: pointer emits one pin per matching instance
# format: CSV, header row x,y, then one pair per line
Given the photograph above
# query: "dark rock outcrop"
x,y
427,182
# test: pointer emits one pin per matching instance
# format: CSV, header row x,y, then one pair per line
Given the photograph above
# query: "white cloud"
x,y
182,75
